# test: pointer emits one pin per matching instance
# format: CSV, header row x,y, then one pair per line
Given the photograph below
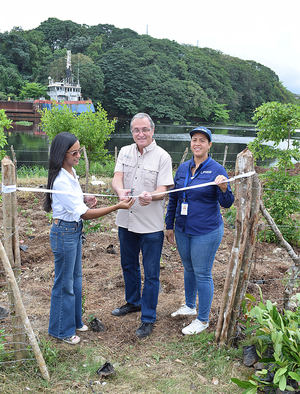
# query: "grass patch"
x,y
98,169
191,364
32,172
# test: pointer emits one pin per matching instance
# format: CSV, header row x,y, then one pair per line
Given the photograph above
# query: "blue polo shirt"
x,y
203,203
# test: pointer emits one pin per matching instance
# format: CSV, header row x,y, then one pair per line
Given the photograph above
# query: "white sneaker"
x,y
83,328
184,310
195,327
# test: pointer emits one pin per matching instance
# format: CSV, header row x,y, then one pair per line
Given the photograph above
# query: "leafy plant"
x,y
230,216
92,226
277,123
281,198
2,342
4,123
277,339
49,215
50,352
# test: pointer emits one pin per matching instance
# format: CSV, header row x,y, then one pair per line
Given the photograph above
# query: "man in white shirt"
x,y
142,169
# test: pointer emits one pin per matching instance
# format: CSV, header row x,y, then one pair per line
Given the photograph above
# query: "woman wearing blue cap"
x,y
198,226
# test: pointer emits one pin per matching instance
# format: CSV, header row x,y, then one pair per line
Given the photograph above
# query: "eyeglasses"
x,y
144,130
75,152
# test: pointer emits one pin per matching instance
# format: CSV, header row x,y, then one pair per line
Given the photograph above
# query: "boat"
x,y
66,92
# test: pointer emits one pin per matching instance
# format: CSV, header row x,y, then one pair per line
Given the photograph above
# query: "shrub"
x,y
91,129
277,339
4,123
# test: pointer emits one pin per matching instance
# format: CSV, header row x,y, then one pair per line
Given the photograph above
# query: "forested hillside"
x,y
128,72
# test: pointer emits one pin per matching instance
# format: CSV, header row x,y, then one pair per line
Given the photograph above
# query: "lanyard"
x,y
188,175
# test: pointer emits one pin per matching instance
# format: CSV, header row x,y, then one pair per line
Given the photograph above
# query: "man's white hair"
x,y
142,115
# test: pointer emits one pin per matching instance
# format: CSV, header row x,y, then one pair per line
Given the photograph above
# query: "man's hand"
x,y
145,198
124,194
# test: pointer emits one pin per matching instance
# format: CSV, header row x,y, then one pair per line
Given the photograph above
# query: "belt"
x,y
58,221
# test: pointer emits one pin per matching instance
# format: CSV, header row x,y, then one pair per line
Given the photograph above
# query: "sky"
x,y
266,31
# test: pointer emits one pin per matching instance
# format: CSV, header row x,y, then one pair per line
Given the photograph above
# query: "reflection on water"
x,y
31,146
30,149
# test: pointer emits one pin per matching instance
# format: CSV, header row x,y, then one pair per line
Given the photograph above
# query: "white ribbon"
x,y
8,188
13,188
245,175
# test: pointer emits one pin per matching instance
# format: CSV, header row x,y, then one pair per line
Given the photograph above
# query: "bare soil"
x,y
103,285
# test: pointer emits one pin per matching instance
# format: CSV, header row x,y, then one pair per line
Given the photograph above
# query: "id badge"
x,y
184,208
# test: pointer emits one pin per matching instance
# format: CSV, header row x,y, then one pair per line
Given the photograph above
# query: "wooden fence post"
x,y
247,200
12,246
186,151
14,158
225,155
116,153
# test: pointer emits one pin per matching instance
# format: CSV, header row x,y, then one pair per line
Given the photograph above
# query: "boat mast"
x,y
69,78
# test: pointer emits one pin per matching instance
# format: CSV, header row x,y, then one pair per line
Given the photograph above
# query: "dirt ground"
x,y
103,285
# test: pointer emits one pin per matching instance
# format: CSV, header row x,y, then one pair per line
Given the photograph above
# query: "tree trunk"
x,y
247,201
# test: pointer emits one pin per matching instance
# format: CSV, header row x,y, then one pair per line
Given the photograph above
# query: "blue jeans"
x,y
197,253
130,246
66,308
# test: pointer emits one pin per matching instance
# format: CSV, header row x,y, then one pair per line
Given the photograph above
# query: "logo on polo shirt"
x,y
206,172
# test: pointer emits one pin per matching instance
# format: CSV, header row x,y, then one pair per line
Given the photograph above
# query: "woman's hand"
x,y
125,204
170,236
90,201
219,179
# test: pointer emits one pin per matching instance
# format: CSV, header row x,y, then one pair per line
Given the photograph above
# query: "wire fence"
x,y
22,156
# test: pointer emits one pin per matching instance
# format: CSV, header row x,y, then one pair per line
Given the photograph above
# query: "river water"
x,y
31,146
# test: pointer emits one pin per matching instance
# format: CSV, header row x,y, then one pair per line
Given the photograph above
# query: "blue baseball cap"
x,y
202,130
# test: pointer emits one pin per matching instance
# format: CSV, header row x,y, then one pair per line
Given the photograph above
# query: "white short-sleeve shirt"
x,y
68,207
144,172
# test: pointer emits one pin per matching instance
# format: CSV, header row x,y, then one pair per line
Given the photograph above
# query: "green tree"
x,y
277,123
78,44
4,124
220,114
10,79
91,129
33,90
94,50
16,49
58,33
